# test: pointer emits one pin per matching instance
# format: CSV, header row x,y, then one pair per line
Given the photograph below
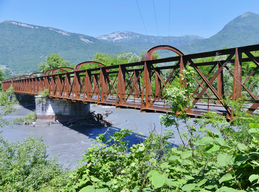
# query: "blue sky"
x,y
101,17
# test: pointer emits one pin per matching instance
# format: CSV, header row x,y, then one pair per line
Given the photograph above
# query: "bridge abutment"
x,y
56,109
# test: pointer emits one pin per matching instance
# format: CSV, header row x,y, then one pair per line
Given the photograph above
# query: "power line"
x,y
169,21
141,17
155,17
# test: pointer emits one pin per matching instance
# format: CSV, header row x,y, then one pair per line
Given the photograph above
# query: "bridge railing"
x,y
218,75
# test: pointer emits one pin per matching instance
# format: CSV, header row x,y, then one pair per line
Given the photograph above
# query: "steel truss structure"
x,y
141,85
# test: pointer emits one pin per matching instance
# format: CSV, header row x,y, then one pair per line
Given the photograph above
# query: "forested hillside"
x,y
24,46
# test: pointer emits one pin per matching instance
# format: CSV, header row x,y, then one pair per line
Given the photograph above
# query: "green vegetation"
x,y
6,104
205,163
224,160
53,61
44,93
25,166
109,60
26,120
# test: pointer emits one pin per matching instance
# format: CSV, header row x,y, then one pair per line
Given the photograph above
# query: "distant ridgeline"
x,y
24,46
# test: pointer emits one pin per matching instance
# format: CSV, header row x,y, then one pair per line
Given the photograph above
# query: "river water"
x,y
70,143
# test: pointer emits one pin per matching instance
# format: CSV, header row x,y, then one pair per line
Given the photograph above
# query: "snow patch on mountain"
x,y
85,40
60,31
118,36
23,24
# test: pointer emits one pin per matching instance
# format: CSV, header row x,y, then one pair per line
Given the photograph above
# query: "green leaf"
x,y
88,188
189,187
204,141
171,183
228,189
253,125
158,180
186,154
253,177
241,158
223,159
102,190
173,157
148,190
254,153
187,177
241,147
202,182
204,190
213,148
226,177
94,179
254,130
221,141
165,165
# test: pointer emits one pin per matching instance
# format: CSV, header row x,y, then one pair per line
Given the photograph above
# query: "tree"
x,y
1,75
109,60
134,58
53,61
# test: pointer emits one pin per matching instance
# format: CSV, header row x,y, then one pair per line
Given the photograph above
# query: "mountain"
x,y
241,31
127,36
24,46
145,42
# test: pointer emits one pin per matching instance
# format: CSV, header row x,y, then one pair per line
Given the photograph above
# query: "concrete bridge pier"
x,y
57,109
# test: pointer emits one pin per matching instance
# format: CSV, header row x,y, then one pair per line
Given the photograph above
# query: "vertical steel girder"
x,y
237,75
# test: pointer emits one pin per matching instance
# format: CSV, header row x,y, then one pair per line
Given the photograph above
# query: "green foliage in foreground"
x,y
225,160
25,166
6,104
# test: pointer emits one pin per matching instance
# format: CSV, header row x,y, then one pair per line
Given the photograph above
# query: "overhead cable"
x,y
169,21
141,17
155,18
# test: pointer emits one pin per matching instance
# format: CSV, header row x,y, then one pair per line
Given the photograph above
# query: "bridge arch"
x,y
38,73
61,69
53,71
77,68
149,54
23,77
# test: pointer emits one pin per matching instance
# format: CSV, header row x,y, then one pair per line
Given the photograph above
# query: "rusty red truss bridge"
x,y
141,85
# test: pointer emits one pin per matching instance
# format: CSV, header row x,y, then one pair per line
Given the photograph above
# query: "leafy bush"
x,y
226,163
6,104
18,121
25,166
26,120
224,160
30,118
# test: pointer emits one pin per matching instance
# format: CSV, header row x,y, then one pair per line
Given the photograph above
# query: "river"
x,y
70,143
